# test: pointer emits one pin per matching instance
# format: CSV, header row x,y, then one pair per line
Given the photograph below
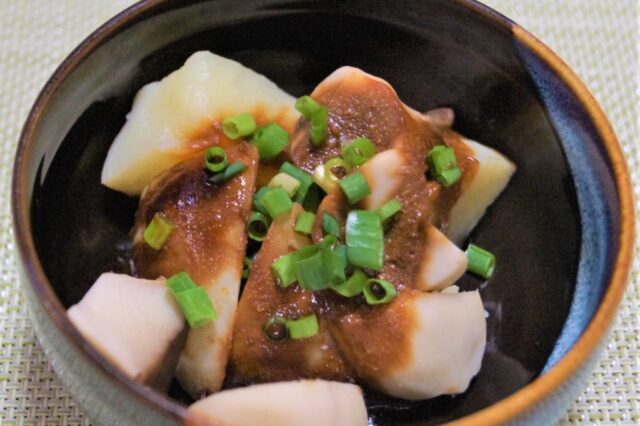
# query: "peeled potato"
x,y
490,179
131,321
383,174
307,402
168,114
442,262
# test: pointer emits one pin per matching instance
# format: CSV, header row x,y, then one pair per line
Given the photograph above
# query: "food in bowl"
x,y
300,239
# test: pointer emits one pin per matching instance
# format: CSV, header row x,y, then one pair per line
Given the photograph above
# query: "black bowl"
x,y
558,230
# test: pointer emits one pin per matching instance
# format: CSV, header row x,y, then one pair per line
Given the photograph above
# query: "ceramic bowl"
x,y
562,230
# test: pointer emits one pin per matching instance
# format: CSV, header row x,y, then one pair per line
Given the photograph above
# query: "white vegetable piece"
x,y
168,114
131,321
490,179
446,350
442,262
307,402
383,173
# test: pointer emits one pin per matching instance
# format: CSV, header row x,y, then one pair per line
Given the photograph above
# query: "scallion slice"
x,y
276,202
257,200
303,177
215,159
286,182
320,178
158,231
270,140
319,126
231,170
389,209
335,169
284,270
304,327
257,226
239,126
312,273
378,291
276,328
365,239
307,106
481,262
193,301
330,225
304,222
354,187
358,151
353,286
443,166
180,282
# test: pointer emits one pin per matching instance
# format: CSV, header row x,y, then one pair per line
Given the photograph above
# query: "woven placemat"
x,y
599,39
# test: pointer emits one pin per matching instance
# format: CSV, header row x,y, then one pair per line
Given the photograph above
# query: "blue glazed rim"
x,y
593,310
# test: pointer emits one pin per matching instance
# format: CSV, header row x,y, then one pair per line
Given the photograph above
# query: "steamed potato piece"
x,y
447,344
168,113
133,322
489,180
442,262
307,402
208,242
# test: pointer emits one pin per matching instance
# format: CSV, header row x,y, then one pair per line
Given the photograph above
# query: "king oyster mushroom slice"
x,y
255,357
306,402
167,115
134,323
208,242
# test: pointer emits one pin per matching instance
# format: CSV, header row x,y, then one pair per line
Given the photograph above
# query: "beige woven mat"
x,y
599,40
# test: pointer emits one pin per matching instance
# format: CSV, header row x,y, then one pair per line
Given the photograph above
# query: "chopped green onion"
x,y
180,282
304,327
270,140
358,151
320,269
258,226
443,166
377,291
320,179
276,202
330,225
335,169
276,328
319,126
286,182
215,159
353,286
246,266
307,106
365,239
328,241
239,126
354,187
303,177
284,270
257,200
449,177
192,300
158,231
481,262
389,209
228,173
304,222
341,251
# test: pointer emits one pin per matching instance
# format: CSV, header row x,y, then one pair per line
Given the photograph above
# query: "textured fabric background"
x,y
599,39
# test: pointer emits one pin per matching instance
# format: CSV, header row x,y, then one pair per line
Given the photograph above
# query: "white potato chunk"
x,y
442,263
446,350
383,173
307,402
489,181
131,321
167,114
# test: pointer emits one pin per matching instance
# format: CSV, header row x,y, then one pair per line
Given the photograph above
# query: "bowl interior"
x,y
441,54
